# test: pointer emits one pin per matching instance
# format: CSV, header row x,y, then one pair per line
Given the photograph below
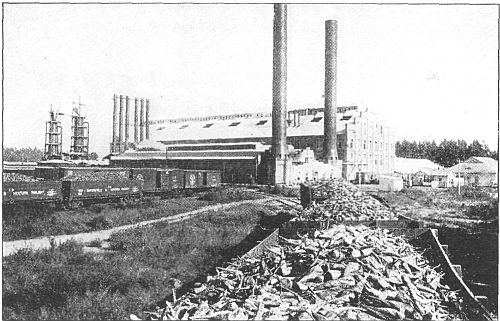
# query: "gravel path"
x,y
44,242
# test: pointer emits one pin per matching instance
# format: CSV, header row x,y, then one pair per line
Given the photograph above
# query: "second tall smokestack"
x,y
330,117
279,146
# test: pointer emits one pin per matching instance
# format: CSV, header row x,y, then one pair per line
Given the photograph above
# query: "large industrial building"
x,y
364,143
282,147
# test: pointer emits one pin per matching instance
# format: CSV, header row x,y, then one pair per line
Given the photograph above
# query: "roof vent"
x,y
234,124
183,126
316,119
262,122
160,128
208,125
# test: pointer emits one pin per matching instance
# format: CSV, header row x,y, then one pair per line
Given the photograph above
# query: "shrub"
x,y
99,222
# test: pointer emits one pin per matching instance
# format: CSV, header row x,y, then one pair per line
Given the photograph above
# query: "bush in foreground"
x,y
65,282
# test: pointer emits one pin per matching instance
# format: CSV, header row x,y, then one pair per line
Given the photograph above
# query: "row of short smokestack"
x,y
121,123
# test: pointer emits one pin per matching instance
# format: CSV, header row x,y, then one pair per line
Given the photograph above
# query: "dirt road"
x,y
45,242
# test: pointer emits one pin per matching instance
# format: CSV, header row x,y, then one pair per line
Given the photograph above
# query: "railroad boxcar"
x,y
77,192
211,178
170,179
39,191
148,176
193,179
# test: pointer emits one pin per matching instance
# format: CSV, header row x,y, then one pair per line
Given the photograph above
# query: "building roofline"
x,y
302,112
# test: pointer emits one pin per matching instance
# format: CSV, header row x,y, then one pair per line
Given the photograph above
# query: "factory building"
x,y
282,147
364,143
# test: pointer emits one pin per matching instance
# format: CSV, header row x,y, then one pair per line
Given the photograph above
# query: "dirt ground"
x,y
468,223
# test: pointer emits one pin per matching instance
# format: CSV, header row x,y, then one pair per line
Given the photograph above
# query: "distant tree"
x,y
447,153
28,154
93,156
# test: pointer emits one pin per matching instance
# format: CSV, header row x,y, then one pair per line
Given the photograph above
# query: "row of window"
x,y
259,123
378,146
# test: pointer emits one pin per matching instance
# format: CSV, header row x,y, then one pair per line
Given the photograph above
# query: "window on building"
x,y
289,121
234,124
346,117
364,144
183,126
262,122
208,125
316,119
351,143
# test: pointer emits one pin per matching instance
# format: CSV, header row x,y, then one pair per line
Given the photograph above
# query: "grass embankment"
x,y
24,222
468,223
66,282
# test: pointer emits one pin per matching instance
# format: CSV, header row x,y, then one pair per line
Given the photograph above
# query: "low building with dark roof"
x,y
364,143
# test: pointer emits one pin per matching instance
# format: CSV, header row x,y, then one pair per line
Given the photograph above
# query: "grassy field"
x,y
468,223
67,282
22,222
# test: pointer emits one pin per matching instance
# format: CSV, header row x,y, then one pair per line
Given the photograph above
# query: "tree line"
x,y
28,154
448,153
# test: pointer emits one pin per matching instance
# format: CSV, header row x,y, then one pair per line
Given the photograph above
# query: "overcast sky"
x,y
430,71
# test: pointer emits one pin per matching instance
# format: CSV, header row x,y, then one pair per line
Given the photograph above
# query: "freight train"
x,y
73,186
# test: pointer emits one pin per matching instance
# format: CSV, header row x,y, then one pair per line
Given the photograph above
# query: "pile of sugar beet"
x,y
342,273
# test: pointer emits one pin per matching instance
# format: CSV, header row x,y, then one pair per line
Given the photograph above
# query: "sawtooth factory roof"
x,y
304,122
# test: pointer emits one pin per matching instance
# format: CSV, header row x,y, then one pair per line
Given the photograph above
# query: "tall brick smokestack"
x,y
127,117
278,145
330,118
147,119
136,121
141,123
120,125
115,123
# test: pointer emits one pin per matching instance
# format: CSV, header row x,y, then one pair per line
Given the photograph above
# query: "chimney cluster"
x,y
121,141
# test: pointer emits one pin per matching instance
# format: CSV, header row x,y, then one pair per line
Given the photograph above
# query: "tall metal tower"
x,y
79,148
53,137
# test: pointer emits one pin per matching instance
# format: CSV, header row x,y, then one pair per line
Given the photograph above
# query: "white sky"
x,y
430,71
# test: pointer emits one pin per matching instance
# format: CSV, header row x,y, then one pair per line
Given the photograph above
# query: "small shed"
x,y
480,171
443,177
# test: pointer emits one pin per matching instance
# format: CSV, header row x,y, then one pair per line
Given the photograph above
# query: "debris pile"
x,y
353,273
16,177
345,202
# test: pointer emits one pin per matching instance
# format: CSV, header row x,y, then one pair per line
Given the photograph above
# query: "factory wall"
x,y
370,143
